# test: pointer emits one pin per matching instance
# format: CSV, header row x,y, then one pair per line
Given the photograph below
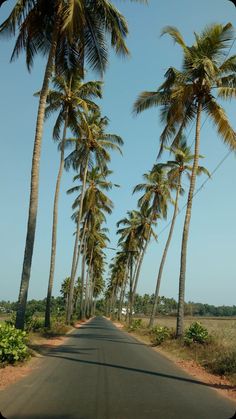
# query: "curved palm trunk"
x,y
163,259
54,230
180,314
34,188
73,268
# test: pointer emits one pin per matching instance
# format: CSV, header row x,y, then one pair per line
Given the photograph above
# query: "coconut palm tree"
x,y
92,147
156,189
68,33
145,221
177,167
70,97
131,243
91,201
207,73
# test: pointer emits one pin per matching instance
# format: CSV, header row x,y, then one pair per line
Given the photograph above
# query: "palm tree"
x,y
177,167
131,243
207,73
70,97
156,191
145,221
68,33
91,201
92,147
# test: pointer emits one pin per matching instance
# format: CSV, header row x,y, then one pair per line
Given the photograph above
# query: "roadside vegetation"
x,y
210,342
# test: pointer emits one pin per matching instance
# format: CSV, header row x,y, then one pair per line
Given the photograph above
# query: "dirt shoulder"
x,y
39,346
220,384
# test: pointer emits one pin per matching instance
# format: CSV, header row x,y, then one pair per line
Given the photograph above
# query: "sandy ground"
x,y
220,384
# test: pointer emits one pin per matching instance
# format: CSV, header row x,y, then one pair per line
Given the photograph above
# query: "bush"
x,y
135,324
32,323
159,334
196,333
223,363
12,344
58,328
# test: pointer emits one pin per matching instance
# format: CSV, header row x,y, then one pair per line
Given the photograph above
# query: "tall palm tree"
x,y
177,167
145,221
89,201
70,97
207,73
68,33
92,147
131,242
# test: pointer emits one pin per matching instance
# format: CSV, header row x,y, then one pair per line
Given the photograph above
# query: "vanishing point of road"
x,y
101,372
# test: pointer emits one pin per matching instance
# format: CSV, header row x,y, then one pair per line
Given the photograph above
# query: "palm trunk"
x,y
94,307
73,268
80,246
141,262
82,282
121,299
90,301
163,259
130,291
54,229
78,256
180,314
112,304
87,283
34,188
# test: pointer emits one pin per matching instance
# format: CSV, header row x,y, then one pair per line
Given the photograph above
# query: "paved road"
x,y
102,373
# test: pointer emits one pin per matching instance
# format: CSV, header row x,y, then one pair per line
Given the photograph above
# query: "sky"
x,y
211,262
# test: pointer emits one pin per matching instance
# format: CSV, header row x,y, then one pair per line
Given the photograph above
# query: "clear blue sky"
x,y
211,264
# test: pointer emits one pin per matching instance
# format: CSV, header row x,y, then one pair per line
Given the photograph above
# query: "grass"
x,y
222,329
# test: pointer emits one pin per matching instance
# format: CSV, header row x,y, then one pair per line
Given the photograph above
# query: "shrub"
x,y
135,324
32,323
223,363
58,328
12,344
159,334
196,333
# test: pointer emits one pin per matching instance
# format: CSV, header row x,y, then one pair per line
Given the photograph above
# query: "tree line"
x,y
143,306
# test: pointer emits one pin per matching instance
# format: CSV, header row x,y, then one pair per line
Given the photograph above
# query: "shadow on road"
x,y
107,338
59,354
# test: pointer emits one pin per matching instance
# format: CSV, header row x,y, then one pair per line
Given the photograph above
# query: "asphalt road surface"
x,y
103,373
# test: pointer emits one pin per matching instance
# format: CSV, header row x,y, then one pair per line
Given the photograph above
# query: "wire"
x,y
217,166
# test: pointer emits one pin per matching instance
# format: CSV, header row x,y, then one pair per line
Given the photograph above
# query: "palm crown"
x,y
206,74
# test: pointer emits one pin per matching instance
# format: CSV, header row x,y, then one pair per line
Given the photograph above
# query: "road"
x,y
103,373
